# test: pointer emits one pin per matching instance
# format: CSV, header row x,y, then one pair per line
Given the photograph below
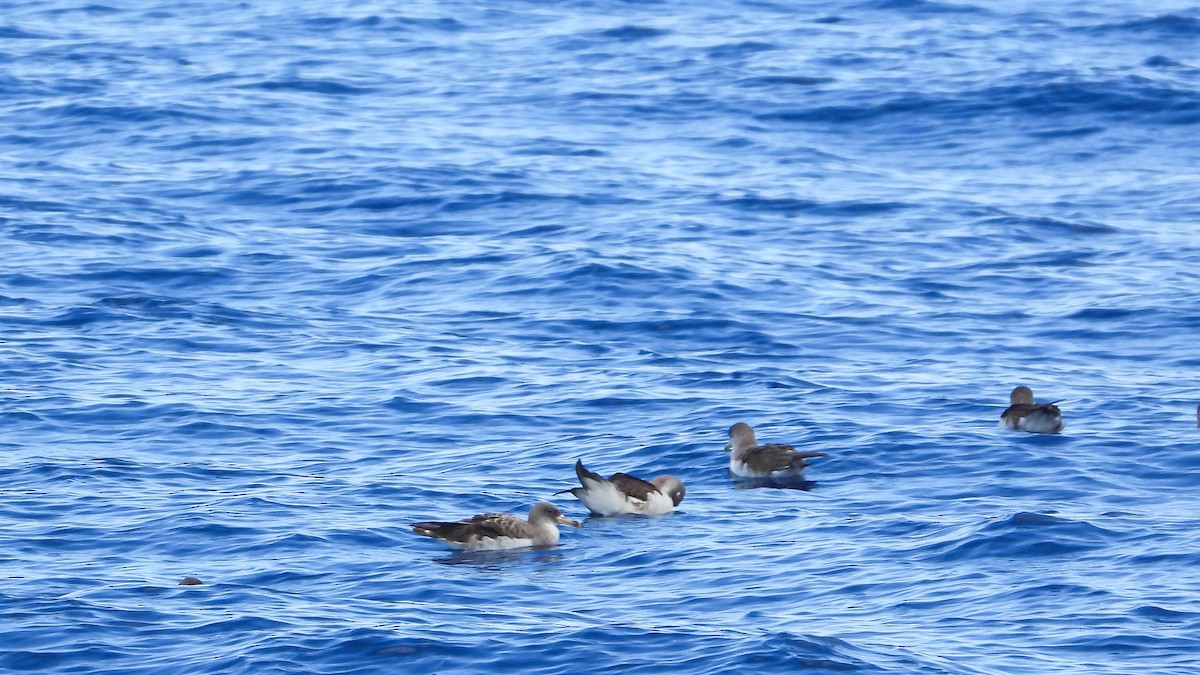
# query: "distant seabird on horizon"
x,y
622,493
748,459
1025,415
499,531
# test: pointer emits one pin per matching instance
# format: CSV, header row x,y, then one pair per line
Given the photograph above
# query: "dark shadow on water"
x,y
496,559
740,483
623,520
596,519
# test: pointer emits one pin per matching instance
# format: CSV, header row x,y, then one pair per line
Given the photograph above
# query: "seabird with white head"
x,y
748,459
497,531
621,493
1026,415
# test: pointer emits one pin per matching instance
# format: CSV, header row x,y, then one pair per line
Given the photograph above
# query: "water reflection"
x,y
498,560
740,483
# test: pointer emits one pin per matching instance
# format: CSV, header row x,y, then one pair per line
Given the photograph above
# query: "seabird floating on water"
x,y
751,460
1024,414
621,493
496,531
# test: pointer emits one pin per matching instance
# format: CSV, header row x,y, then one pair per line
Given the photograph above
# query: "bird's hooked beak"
x,y
567,521
728,446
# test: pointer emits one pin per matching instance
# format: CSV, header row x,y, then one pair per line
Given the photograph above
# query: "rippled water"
x,y
280,278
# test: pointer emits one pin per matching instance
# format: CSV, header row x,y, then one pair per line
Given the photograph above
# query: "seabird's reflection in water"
x,y
496,559
740,483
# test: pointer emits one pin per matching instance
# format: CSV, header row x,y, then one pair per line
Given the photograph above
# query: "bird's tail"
x,y
583,473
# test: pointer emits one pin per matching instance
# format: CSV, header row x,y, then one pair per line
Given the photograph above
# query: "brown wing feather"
x,y
482,526
776,457
1016,412
633,486
581,472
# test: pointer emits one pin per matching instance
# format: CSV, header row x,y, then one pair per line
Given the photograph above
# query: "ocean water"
x,y
280,278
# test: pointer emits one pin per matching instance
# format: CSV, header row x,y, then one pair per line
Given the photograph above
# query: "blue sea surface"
x,y
280,278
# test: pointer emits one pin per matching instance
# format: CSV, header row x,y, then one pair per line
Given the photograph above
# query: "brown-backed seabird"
x,y
621,493
751,460
1024,414
496,531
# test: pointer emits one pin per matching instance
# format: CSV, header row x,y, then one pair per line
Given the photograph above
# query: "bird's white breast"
x,y
658,504
740,468
606,500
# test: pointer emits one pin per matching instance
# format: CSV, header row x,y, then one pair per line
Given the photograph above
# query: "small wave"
x,y
471,383
1164,615
161,277
1037,96
14,33
410,404
1110,313
557,148
771,81
1168,26
328,87
632,33
616,647
77,317
329,23
1071,132
918,7
1133,643
35,205
1037,228
422,202
443,24
1024,535
141,114
844,114
791,205
93,9
218,144
200,251
211,430
745,48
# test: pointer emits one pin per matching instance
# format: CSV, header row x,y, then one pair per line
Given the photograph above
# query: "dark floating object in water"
x,y
621,493
1024,414
191,581
748,459
497,531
